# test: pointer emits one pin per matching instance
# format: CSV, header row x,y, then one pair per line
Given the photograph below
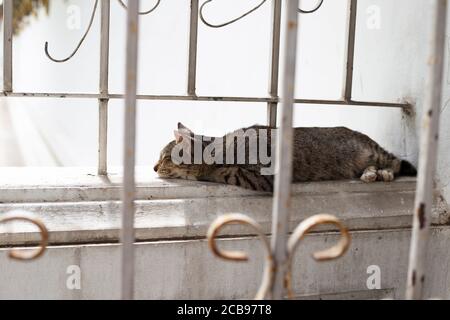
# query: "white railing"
x,y
417,274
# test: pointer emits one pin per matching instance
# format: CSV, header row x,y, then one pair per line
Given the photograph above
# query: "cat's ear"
x,y
178,136
183,127
182,135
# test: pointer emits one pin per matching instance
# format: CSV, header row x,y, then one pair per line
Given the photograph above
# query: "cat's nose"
x,y
156,167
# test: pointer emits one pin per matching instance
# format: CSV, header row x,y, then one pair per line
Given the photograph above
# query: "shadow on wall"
x,y
10,154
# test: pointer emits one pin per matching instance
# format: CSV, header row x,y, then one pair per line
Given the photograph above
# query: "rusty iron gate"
x,y
281,247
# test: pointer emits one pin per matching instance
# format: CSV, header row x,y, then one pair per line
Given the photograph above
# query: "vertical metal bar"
x,y
283,179
193,38
129,186
7,45
103,137
428,153
104,87
351,33
275,63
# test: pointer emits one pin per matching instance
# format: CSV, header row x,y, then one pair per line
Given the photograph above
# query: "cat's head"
x,y
166,167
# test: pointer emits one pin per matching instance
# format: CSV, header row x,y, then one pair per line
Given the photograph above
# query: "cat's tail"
x,y
407,169
389,160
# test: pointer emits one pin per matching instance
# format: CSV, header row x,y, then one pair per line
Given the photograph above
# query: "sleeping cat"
x,y
318,154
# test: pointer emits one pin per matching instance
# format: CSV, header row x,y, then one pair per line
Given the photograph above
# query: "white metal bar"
x,y
55,95
103,137
8,45
275,63
417,272
193,38
283,179
104,87
129,186
351,34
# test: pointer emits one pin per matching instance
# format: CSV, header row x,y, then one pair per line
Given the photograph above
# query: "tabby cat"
x,y
318,154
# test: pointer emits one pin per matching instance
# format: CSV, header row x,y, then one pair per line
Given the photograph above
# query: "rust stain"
x,y
292,25
421,215
431,60
134,27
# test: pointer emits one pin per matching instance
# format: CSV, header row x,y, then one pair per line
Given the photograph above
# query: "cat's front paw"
x,y
370,174
386,175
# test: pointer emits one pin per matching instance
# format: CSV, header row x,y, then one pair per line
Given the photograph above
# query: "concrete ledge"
x,y
84,208
184,210
20,185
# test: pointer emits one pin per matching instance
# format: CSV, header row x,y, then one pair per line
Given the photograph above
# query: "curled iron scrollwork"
x,y
88,29
224,24
25,255
295,239
146,12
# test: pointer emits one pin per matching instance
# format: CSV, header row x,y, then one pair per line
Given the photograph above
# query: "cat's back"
x,y
318,133
329,153
326,132
318,137
323,136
